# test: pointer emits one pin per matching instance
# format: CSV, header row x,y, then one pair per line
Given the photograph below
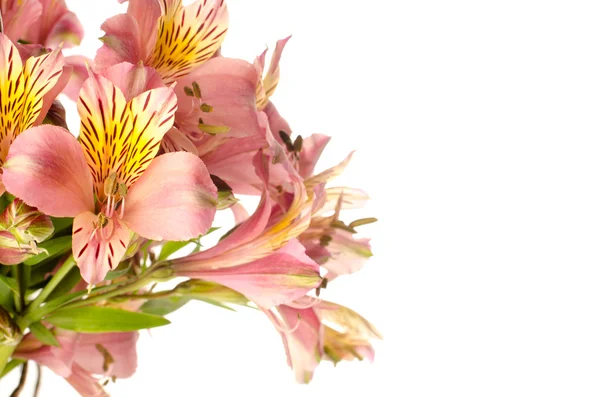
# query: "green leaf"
x,y
122,269
61,224
12,364
103,319
170,247
6,296
10,283
164,306
55,247
43,334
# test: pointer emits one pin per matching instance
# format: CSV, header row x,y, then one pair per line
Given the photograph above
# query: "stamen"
x,y
287,330
206,108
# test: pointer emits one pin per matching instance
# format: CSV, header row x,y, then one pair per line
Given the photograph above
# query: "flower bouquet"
x,y
102,229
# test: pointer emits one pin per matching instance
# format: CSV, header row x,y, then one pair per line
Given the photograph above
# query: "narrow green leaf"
x,y
164,306
12,364
170,247
103,319
55,247
43,334
10,283
122,269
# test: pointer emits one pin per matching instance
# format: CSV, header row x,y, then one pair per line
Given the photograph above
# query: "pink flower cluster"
x,y
171,132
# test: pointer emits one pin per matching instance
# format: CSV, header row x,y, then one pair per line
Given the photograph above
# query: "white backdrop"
x,y
477,129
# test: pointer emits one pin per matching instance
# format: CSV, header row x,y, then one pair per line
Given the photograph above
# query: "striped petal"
x,y
98,248
188,36
118,136
22,90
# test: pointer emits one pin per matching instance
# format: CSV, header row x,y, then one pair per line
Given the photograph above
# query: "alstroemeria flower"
x,y
27,90
56,25
313,329
84,359
165,35
302,335
170,197
21,228
260,258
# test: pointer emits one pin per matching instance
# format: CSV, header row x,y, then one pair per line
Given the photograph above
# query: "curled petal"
x,y
46,169
85,383
175,199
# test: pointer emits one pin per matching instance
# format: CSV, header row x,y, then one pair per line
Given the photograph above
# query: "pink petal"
x,y
312,147
19,16
122,42
270,281
174,199
60,85
85,384
58,358
79,74
45,167
98,249
146,14
232,162
177,141
229,86
121,347
132,79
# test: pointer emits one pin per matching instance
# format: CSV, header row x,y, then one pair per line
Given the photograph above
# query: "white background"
x,y
477,129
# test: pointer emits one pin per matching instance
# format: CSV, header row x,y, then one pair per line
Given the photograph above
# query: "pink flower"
x,y
45,22
170,197
312,330
84,359
260,258
165,35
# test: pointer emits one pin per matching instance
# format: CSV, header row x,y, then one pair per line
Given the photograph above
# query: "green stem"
x,y
17,273
54,281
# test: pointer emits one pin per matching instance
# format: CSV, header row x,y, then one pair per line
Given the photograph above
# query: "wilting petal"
x,y
46,169
328,174
98,248
188,36
312,147
339,346
227,85
348,254
58,358
270,281
132,80
122,42
108,354
122,137
351,198
175,199
346,320
85,383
